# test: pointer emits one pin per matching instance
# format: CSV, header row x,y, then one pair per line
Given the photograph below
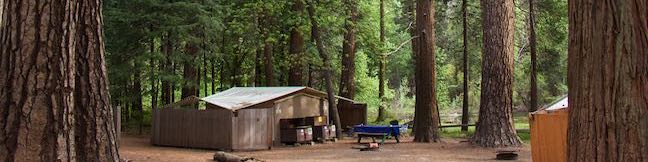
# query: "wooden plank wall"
x,y
549,136
252,129
352,114
192,128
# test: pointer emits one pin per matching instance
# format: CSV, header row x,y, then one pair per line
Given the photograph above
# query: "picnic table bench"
x,y
377,132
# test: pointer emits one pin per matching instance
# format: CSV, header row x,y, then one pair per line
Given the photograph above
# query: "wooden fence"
x,y
210,129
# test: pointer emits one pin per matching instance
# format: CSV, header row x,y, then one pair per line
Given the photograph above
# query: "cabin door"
x,y
253,129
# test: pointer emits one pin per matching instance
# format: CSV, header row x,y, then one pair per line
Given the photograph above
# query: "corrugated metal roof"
x,y
560,104
242,97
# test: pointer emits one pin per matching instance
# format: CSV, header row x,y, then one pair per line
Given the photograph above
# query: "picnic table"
x,y
377,131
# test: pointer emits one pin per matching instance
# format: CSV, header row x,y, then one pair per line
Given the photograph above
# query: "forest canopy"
x,y
160,51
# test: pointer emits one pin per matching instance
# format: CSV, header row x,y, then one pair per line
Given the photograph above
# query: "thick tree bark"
x,y
189,74
327,69
495,124
347,79
382,66
465,112
53,85
95,130
296,49
425,113
533,92
608,81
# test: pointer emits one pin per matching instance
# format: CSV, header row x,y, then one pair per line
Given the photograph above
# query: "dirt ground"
x,y
138,148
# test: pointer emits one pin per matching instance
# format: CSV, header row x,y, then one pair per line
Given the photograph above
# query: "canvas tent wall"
x,y
549,132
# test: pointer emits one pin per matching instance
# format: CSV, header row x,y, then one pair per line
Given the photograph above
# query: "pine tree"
x,y
425,113
495,124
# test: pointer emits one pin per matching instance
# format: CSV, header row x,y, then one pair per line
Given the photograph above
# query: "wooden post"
x,y
117,122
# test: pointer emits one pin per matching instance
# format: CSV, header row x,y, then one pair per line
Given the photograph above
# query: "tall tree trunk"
x,y
53,87
495,123
166,68
173,84
204,65
296,48
153,77
608,81
136,93
533,93
189,73
425,113
257,60
465,112
198,75
257,68
382,63
327,69
268,64
222,73
213,75
222,60
347,80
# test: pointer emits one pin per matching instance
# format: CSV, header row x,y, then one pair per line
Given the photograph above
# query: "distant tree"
x,y
425,113
495,124
296,48
190,73
533,92
465,112
608,81
168,48
382,66
327,68
347,79
136,92
267,48
53,87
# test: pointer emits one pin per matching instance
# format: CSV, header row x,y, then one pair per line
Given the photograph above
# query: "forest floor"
x,y
138,148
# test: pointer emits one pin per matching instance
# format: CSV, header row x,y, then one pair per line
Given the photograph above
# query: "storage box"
x,y
293,135
308,133
321,133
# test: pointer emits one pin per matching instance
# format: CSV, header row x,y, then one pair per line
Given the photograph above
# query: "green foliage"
x,y
230,33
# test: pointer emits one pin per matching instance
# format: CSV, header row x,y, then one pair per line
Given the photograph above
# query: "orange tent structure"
x,y
549,132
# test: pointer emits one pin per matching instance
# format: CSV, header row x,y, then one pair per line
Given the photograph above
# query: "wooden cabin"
x,y
240,118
